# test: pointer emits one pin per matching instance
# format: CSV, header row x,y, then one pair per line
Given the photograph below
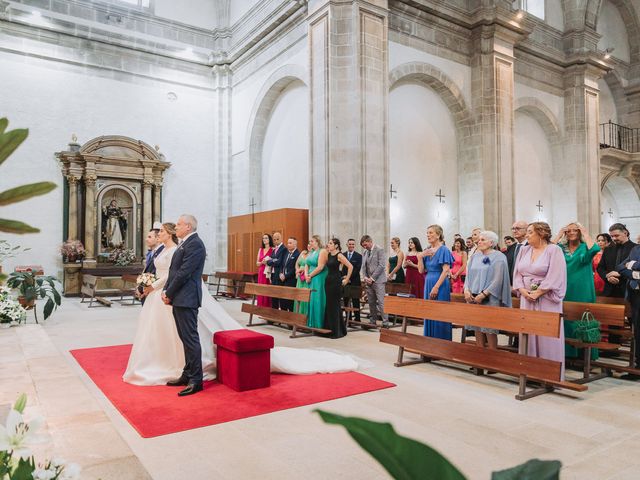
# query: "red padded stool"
x,y
243,359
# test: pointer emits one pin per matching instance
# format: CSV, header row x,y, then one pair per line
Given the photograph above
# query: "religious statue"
x,y
114,226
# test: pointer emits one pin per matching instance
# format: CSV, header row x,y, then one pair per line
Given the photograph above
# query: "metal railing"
x,y
617,136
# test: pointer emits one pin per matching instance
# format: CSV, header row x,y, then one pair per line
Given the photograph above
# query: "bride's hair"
x,y
170,228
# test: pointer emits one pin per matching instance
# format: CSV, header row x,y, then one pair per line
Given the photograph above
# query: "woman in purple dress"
x,y
436,261
540,278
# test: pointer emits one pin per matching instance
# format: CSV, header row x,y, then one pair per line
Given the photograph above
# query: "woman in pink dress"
x,y
603,240
459,267
540,278
264,273
412,276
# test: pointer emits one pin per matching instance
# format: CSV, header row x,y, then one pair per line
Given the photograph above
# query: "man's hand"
x,y
282,277
613,278
165,299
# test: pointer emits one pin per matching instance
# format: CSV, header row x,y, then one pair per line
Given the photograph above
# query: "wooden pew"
x,y
297,321
524,322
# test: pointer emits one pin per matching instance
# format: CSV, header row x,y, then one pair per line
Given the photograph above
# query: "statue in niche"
x,y
114,226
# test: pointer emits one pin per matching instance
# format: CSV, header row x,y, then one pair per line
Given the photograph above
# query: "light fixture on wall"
x,y
608,52
520,14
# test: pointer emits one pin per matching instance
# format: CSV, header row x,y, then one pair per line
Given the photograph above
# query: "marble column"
x,y
157,195
581,144
90,227
492,92
147,206
349,89
72,233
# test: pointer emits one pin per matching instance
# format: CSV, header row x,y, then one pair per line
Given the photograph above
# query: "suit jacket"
x,y
184,284
150,267
374,263
511,258
628,274
289,267
356,261
276,262
612,256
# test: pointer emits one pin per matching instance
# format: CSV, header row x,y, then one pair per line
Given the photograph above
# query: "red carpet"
x,y
154,411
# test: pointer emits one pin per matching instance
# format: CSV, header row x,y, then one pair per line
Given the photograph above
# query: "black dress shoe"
x,y
190,390
178,382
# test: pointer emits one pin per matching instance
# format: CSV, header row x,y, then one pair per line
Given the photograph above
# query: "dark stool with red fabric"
x,y
243,359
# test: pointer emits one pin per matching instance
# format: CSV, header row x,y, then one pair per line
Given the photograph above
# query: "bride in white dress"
x,y
157,355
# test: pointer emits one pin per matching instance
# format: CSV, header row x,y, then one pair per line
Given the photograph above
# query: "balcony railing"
x,y
617,136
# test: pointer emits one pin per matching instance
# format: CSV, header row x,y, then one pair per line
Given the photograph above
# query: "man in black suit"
x,y
615,285
629,269
288,271
275,262
183,291
154,248
519,232
356,260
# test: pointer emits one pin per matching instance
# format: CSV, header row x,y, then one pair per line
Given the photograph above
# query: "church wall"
x,y
608,109
422,160
620,195
55,100
613,30
199,13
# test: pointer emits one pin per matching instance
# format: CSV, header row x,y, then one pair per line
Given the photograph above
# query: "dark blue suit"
x,y
150,266
184,291
356,261
275,263
633,293
289,271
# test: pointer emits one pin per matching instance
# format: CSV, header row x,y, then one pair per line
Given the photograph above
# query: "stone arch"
x,y
266,99
543,115
630,16
469,165
626,193
118,146
614,82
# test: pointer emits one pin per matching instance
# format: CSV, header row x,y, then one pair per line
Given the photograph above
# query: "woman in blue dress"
x,y
436,261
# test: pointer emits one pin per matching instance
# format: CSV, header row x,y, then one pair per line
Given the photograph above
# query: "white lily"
x,y
16,435
71,472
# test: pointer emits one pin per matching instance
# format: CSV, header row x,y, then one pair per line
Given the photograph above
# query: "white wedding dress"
x,y
158,356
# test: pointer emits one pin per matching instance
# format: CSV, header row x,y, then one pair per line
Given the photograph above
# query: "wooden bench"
x,y
228,284
90,289
297,321
545,372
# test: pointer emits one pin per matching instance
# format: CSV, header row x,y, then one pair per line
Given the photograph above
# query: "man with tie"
x,y
288,273
154,247
374,263
629,270
275,262
356,260
519,233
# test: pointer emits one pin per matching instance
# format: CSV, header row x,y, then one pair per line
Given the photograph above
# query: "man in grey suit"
x,y
374,278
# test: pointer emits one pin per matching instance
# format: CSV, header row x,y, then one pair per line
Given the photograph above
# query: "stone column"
x,y
581,166
90,227
492,91
147,206
349,89
72,234
157,195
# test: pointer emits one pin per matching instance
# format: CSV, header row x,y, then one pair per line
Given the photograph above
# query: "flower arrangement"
x,y
122,257
72,250
11,312
16,461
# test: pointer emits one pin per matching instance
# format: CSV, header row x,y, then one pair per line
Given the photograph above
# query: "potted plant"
x,y
31,288
72,251
11,312
8,250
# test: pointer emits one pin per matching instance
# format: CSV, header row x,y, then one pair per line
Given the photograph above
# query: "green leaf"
x,y
24,192
56,297
21,402
11,140
3,125
48,308
534,469
13,226
24,469
402,457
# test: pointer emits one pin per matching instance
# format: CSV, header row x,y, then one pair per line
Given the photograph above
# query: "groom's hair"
x,y
191,220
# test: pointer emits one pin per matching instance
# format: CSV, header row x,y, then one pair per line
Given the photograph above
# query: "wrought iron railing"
x,y
617,136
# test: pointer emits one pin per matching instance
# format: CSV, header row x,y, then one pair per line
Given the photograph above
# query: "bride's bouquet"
x,y
145,280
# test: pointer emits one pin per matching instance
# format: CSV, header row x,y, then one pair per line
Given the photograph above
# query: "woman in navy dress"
x,y
436,261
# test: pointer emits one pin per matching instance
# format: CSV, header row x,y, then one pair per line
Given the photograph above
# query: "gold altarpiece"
x,y
111,171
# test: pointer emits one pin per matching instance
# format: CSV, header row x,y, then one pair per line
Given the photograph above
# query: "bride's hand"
x,y
147,291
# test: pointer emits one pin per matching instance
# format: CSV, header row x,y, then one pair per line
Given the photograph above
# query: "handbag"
x,y
588,329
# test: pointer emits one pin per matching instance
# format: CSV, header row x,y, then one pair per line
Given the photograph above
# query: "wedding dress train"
x,y
158,356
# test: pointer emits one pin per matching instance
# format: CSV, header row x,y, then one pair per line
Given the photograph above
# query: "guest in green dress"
x,y
315,274
301,307
579,249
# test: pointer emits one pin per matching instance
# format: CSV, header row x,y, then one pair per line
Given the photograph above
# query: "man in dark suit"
x,y
615,285
288,271
519,232
629,269
275,262
356,260
154,248
183,291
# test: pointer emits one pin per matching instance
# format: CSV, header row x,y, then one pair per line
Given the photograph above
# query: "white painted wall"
x,y
608,203
607,105
285,155
613,31
554,15
422,159
532,170
624,201
554,103
55,100
240,7
199,13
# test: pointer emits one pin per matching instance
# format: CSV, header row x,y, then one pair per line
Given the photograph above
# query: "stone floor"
x,y
474,421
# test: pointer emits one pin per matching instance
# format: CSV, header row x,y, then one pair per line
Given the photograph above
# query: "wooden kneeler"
x,y
545,372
